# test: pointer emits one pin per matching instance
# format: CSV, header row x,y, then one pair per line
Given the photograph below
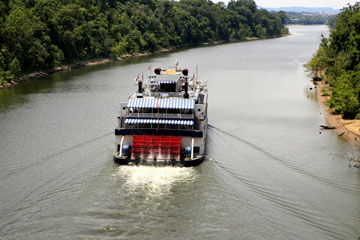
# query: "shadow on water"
x,y
17,95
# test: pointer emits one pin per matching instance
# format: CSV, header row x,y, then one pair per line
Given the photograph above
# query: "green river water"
x,y
268,173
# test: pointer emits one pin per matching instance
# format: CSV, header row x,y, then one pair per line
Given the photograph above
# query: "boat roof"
x,y
167,103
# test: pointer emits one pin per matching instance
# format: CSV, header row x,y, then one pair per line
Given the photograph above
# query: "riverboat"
x,y
164,121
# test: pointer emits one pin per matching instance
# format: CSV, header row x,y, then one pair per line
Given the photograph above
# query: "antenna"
x,y
197,72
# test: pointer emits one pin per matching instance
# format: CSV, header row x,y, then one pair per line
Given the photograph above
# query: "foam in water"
x,y
154,180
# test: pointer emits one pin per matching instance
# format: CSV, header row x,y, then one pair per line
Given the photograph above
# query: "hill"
x,y
305,9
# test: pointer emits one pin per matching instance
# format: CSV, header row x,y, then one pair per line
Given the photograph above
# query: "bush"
x,y
357,116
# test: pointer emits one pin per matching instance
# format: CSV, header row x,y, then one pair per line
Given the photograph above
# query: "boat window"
x,y
168,87
201,98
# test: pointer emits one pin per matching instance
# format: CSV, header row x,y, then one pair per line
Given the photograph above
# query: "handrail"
x,y
162,115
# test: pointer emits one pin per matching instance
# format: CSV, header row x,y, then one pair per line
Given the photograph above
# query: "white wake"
x,y
154,181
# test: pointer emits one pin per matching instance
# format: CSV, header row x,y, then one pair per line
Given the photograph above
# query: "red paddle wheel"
x,y
156,147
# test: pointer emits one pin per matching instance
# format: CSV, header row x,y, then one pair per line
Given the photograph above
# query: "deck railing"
x,y
121,124
162,115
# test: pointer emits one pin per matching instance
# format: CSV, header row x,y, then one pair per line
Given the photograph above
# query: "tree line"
x,y
308,18
42,34
339,58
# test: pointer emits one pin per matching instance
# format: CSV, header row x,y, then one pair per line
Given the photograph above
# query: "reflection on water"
x,y
154,181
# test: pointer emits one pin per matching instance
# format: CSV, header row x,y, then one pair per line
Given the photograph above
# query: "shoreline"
x,y
348,129
98,61
85,63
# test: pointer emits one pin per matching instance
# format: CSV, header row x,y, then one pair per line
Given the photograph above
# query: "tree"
x,y
42,34
339,57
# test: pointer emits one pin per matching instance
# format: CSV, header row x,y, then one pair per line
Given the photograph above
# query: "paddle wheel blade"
x,y
156,147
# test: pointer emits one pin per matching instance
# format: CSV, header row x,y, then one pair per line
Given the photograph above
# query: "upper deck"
x,y
167,100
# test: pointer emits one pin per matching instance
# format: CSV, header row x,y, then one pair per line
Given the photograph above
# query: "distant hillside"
x,y
307,18
305,9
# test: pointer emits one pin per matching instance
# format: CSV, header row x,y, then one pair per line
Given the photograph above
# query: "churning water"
x,y
153,181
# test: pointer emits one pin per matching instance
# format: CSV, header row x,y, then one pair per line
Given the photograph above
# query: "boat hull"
x,y
185,163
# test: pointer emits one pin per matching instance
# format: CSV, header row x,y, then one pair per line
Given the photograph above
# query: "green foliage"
x,y
339,57
344,99
320,59
42,34
284,18
325,92
5,73
332,21
14,67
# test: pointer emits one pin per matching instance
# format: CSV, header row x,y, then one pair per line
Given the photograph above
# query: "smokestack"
x,y
157,71
186,94
140,86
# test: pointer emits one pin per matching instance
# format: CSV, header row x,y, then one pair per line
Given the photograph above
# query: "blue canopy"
x,y
142,103
176,103
168,103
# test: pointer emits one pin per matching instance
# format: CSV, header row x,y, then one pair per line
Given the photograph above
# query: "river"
x,y
270,171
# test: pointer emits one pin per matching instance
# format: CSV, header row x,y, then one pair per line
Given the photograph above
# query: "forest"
x,y
42,34
338,58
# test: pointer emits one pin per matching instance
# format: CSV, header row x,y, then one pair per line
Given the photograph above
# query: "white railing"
x,y
162,115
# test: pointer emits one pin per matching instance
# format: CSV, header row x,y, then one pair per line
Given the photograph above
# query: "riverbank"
x,y
98,61
81,64
348,129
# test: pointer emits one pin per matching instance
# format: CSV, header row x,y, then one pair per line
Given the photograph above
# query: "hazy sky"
x,y
338,4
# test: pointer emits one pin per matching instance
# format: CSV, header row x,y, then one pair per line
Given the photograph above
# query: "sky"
x,y
337,4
